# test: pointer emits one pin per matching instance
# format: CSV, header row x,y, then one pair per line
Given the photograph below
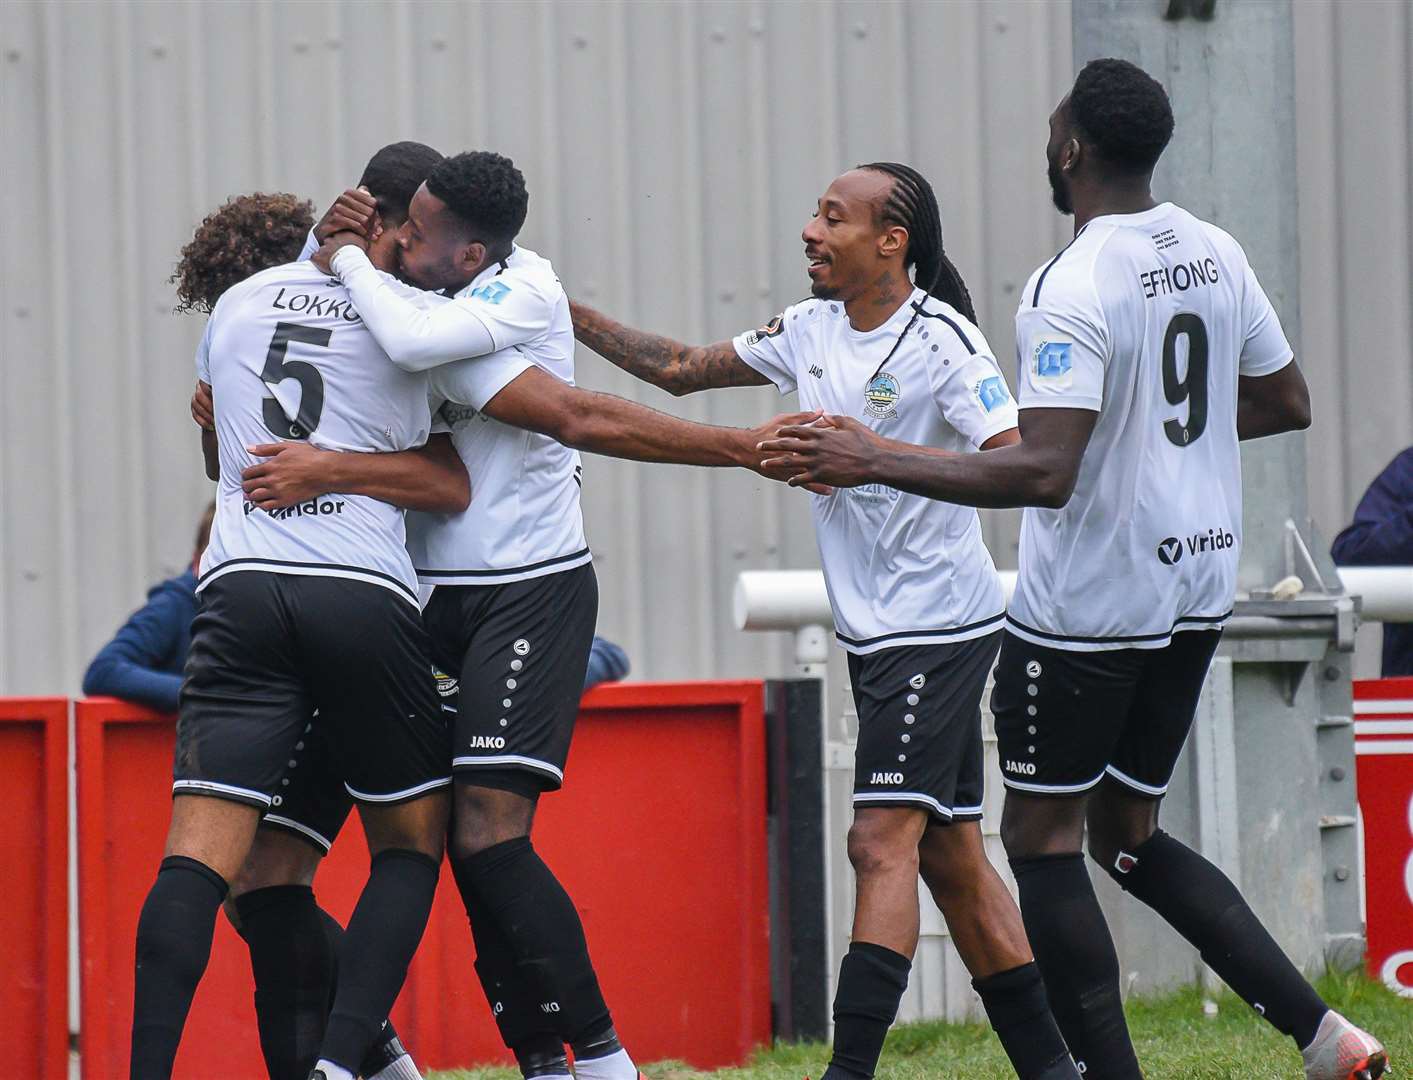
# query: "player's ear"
x,y
893,240
375,228
473,255
1070,154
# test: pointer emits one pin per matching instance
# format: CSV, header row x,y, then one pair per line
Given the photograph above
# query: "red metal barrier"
x,y
34,936
124,805
1383,748
659,835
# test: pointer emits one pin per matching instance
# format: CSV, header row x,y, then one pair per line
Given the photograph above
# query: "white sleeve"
x,y
203,354
770,351
1060,357
1264,350
414,338
310,246
474,382
974,398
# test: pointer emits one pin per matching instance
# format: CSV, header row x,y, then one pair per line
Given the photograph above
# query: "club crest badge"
x,y
881,396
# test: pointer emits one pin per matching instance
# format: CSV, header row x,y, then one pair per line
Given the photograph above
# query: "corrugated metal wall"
x,y
673,151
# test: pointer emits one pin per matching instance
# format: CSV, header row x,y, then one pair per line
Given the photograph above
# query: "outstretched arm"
x,y
613,426
430,478
1039,470
677,368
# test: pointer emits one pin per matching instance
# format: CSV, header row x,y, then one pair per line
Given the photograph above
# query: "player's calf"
x,y
206,845
382,935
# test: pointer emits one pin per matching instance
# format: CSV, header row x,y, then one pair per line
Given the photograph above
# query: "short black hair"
x,y
486,191
1123,112
395,173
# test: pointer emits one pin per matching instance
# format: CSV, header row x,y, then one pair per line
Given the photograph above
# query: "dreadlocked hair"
x,y
913,205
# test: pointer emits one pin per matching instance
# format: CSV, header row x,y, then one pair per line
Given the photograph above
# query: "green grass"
x,y
1175,1042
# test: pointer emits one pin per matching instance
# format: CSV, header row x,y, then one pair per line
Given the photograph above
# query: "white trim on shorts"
x,y
915,797
1137,785
493,760
304,830
211,787
1051,789
396,796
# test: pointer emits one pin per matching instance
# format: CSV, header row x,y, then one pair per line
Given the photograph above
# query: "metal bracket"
x,y
1300,562
1202,10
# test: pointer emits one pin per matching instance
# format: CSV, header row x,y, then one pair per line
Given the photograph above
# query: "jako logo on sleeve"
x,y
992,392
1052,359
493,292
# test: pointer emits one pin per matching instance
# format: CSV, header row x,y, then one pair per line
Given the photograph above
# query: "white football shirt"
x,y
288,357
1148,319
900,569
524,520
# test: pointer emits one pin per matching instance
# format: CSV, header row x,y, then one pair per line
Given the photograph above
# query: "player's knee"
x,y
1041,826
486,816
419,825
1116,826
881,843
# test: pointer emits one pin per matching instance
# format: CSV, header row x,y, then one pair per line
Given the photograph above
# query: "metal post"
x,y
1229,69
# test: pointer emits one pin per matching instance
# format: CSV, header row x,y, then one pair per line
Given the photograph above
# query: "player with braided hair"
x,y
917,602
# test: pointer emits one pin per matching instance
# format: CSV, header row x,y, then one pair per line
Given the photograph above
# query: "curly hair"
x,y
484,190
1124,112
249,233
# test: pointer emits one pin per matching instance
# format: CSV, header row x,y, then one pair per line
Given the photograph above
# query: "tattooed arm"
x,y
679,369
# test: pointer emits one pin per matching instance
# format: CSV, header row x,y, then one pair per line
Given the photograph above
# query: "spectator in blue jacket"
x,y
1382,535
143,663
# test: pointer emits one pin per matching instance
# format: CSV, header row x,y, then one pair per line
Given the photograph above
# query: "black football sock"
x,y
1201,903
381,938
538,1049
872,980
294,961
1075,954
173,946
538,918
1019,1012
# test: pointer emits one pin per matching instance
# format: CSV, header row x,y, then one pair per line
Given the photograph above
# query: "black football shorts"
x,y
268,650
919,739
517,653
1066,719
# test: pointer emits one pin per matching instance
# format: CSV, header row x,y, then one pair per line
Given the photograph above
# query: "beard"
x,y
820,291
1059,190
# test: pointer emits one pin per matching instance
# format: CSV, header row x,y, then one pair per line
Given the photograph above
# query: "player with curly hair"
x,y
247,234
333,575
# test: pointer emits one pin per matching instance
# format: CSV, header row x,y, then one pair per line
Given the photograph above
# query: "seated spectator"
x,y
143,663
1382,535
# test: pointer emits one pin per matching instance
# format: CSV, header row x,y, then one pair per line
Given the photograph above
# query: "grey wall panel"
x,y
674,152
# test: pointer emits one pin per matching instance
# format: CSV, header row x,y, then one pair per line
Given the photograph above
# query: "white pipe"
x,y
789,599
1387,591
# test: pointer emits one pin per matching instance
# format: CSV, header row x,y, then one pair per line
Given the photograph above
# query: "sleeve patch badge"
x,y
1053,359
774,328
493,292
992,392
